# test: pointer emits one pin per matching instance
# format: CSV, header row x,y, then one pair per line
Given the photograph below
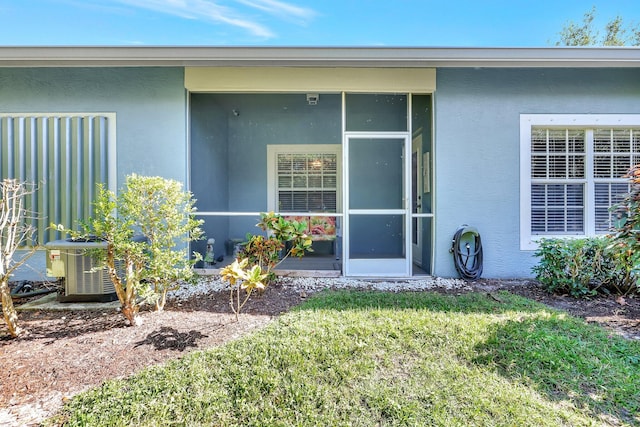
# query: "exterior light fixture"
x,y
312,98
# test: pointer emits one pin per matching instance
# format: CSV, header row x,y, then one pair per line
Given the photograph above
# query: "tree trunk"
x,y
162,300
8,310
130,312
126,293
13,233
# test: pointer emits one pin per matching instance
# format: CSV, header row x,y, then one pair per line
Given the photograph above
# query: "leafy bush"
x,y
584,267
163,213
253,268
267,252
627,228
566,265
263,252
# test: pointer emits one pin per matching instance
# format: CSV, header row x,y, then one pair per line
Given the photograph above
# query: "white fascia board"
x,y
136,56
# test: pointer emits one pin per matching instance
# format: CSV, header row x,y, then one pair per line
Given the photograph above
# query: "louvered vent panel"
x,y
65,156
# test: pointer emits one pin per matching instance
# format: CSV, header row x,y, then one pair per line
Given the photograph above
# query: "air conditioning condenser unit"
x,y
82,279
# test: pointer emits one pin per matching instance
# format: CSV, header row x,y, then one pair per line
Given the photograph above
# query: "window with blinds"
x,y
307,182
558,173
304,178
577,175
615,151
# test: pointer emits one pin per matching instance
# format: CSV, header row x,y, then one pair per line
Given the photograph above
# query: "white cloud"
x,y
280,9
212,11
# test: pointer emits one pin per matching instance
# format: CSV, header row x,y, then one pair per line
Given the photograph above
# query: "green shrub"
x,y
607,264
253,268
565,265
144,270
627,229
584,267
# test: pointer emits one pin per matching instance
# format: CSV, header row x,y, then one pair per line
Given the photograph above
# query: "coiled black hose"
x,y
462,253
25,289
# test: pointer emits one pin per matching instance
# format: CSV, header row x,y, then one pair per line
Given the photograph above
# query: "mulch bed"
x,y
67,352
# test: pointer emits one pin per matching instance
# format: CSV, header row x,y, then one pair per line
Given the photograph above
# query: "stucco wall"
x,y
476,136
478,148
149,104
210,167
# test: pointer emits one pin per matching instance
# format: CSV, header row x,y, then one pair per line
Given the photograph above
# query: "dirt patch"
x,y
67,352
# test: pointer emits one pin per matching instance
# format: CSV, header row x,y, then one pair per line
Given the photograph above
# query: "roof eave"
x,y
176,56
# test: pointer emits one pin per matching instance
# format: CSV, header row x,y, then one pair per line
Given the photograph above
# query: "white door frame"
x,y
416,248
379,267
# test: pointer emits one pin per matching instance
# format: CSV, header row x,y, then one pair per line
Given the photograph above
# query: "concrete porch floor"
x,y
49,303
308,266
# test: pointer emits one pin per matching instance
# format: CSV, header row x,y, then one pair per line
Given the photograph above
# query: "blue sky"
x,y
448,23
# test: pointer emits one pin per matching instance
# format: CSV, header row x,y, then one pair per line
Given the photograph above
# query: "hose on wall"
x,y
466,248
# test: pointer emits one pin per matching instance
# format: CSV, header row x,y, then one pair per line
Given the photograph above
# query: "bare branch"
x,y
14,232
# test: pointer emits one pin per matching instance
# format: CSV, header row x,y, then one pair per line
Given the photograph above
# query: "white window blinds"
x,y
557,181
307,182
577,174
615,152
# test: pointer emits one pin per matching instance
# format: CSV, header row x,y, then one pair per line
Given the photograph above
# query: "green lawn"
x,y
376,359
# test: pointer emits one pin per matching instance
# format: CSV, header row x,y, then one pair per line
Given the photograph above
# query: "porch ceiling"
x,y
176,56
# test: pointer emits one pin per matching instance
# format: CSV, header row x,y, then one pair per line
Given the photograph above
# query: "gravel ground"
x,y
208,284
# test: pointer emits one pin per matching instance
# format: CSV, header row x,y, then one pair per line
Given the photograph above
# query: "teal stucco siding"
x,y
150,107
476,138
477,148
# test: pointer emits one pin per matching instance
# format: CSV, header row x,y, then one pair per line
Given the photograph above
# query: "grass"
x,y
377,359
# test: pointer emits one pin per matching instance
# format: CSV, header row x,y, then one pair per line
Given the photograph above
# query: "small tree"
x,y
163,214
253,269
616,33
14,232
